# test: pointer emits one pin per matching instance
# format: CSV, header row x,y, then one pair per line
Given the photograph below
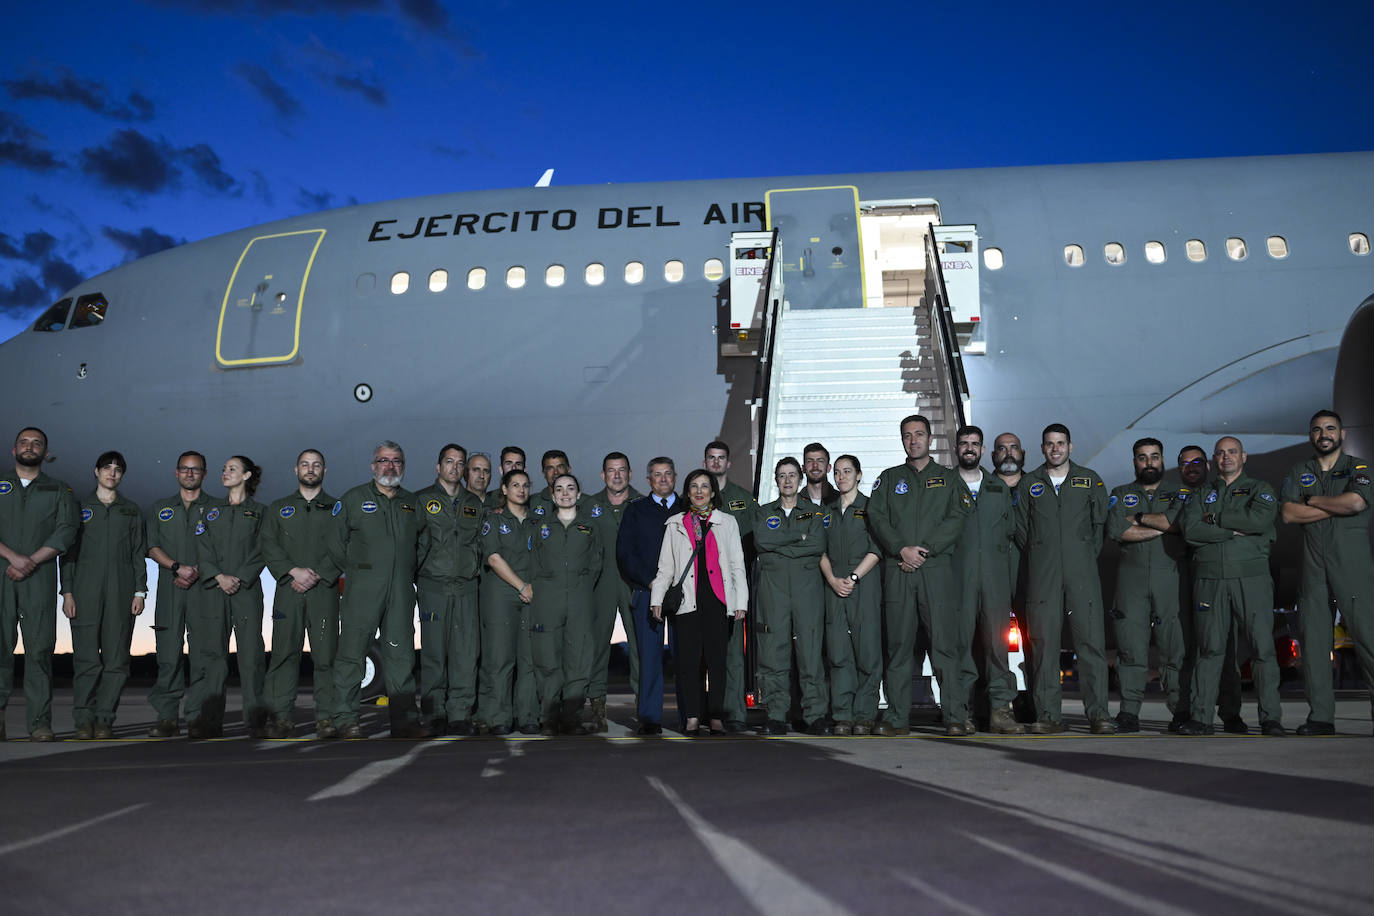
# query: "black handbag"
x,y
672,600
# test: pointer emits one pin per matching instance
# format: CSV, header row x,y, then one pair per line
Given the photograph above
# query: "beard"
x,y
311,480
28,461
1149,476
1325,449
392,480
1011,466
968,461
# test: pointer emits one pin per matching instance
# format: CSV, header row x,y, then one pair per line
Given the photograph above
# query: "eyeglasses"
x,y
395,462
1195,461
190,470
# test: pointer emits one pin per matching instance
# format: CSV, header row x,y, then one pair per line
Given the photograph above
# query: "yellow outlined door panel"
x,y
818,229
260,320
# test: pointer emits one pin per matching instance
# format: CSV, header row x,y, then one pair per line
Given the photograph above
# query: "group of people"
x,y
518,592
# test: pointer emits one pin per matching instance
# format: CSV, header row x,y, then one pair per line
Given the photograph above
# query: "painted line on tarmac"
x,y
771,889
63,831
937,895
1120,895
371,774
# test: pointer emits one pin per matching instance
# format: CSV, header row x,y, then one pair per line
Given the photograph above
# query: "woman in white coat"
x,y
714,597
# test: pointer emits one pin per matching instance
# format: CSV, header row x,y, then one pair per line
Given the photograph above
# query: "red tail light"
x,y
750,701
1014,638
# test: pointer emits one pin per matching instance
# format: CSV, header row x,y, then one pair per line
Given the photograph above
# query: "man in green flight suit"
x,y
38,520
1061,509
741,505
985,563
172,524
612,592
373,543
789,534
447,584
295,534
1149,587
104,587
1230,525
916,512
1328,495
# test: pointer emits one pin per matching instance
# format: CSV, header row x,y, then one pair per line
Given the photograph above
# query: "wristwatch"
x,y
140,594
175,567
853,577
1138,516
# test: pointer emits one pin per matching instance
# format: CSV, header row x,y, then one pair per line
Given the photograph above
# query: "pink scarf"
x,y
712,554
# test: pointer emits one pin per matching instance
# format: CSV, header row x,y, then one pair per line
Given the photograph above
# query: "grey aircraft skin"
x,y
1183,350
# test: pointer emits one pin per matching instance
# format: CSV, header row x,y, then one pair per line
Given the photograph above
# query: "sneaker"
x,y
85,731
42,733
1047,727
103,731
1002,722
1272,729
1127,722
165,728
1316,728
1234,725
1194,727
1106,726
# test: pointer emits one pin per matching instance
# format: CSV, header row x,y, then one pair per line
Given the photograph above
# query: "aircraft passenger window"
x,y
438,281
713,270
634,272
992,258
90,311
1359,243
55,318
477,278
673,271
596,274
400,282
1235,249
1073,255
1278,246
515,277
1195,249
1154,252
554,275
1115,253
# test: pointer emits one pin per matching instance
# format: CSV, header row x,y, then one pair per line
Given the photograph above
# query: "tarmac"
x,y
1152,823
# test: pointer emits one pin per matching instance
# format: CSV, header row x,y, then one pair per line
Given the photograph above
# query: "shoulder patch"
x,y
434,507
596,511
369,506
338,507
86,515
877,482
543,532
486,528
1111,501
1307,479
1130,500
212,514
825,520
288,511
165,514
1211,497
1037,489
1083,483
1362,480
773,522
967,499
1268,496
538,510
932,482
901,486
469,512
503,528
5,487
200,528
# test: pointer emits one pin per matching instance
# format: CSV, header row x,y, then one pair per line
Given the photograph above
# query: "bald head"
x,y
1229,457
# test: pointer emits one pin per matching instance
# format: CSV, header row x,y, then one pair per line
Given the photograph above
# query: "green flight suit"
x,y
566,562
1337,571
374,543
103,569
491,500
1061,534
43,514
172,528
227,544
447,587
984,560
1232,587
854,624
1152,586
612,597
295,533
921,508
506,652
740,504
790,607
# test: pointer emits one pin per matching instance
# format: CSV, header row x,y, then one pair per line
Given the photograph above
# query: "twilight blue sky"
x,y
126,127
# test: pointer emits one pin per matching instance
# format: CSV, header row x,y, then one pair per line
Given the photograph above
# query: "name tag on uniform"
x,y
406,507
585,529
1083,483
932,482
1244,491
737,505
469,512
803,516
860,513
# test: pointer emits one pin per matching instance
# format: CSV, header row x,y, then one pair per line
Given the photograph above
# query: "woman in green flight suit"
x,y
567,561
230,566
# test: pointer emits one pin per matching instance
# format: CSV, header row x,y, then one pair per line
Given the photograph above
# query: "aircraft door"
x,y
818,229
260,319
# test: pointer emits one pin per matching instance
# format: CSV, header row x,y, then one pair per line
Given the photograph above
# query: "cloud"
x,y
59,275
22,297
34,246
313,201
278,96
132,161
19,146
363,87
139,244
262,188
68,88
48,274
427,13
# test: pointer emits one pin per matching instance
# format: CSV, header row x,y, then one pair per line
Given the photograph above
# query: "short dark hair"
x,y
716,443
452,446
111,458
969,429
570,477
1191,448
554,453
1315,417
307,451
31,429
614,456
702,472
512,450
852,460
193,454
788,460
661,459
510,475
915,418
1055,428
816,447
1148,440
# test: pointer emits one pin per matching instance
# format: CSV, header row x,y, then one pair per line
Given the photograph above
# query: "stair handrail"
x,y
955,382
763,378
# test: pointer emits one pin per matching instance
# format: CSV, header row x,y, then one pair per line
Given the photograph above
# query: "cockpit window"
x,y
55,318
90,311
